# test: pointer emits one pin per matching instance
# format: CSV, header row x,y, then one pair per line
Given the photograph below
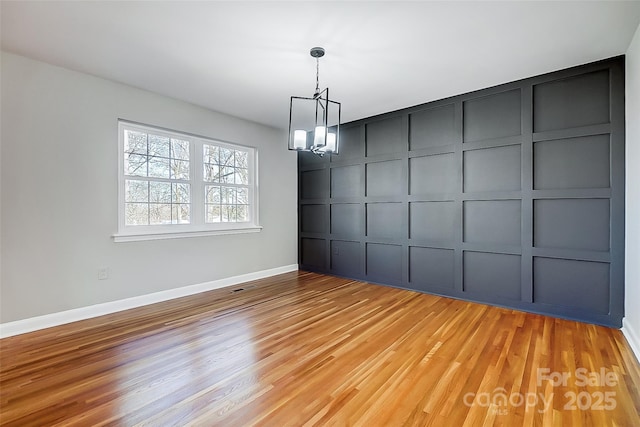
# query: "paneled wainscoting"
x,y
511,195
309,349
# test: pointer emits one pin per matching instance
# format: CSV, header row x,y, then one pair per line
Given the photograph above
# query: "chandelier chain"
x,y
317,76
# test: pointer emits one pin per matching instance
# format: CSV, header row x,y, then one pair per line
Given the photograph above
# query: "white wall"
x,y
632,188
59,194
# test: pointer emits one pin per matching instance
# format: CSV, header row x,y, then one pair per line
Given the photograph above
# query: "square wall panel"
x,y
430,267
346,258
384,263
492,116
572,102
492,221
492,275
569,283
572,224
434,127
351,144
345,181
313,184
385,136
385,221
313,219
435,221
385,179
347,220
492,169
433,174
313,252
572,163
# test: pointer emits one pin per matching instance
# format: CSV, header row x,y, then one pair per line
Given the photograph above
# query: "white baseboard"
x,y
632,337
60,318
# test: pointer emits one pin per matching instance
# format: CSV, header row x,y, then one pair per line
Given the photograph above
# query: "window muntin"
x,y
172,182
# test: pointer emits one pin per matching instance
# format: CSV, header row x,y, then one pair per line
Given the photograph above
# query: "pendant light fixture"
x,y
314,123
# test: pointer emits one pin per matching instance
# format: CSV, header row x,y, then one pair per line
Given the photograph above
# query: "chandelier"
x,y
314,123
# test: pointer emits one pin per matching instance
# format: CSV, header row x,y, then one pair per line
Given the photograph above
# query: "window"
x,y
173,184
226,176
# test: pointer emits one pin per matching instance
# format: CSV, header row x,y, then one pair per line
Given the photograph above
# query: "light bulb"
x,y
319,136
299,139
331,142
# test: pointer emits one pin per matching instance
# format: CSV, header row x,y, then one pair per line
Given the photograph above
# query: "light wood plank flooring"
x,y
308,349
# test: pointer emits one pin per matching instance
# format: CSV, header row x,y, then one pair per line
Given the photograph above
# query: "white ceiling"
x,y
247,58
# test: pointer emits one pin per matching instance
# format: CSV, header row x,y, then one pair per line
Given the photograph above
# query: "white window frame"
x,y
197,226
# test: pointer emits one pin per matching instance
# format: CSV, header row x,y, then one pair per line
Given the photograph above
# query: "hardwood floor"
x,y
307,349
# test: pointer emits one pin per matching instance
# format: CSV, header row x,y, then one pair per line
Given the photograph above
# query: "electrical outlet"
x,y
103,273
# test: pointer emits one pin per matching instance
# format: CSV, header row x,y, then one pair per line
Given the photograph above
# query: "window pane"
x,y
181,193
226,156
159,214
210,153
179,149
241,159
242,213
159,192
136,191
226,174
179,169
213,213
211,173
181,214
136,214
158,146
158,167
135,165
228,213
242,176
135,142
228,195
242,196
212,194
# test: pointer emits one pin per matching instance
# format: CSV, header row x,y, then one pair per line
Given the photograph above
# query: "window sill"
x,y
135,237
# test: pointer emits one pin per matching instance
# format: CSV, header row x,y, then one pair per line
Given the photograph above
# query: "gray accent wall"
x,y
511,195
